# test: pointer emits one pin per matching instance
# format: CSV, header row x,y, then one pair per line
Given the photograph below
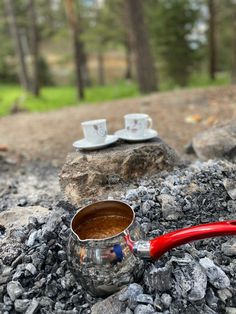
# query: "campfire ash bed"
x,y
194,278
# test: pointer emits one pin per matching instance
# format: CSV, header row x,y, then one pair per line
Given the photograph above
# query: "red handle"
x,y
164,243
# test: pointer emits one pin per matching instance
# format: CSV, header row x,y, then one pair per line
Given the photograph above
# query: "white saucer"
x,y
148,135
84,144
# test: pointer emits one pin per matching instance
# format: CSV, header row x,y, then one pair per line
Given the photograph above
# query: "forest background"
x,y
56,53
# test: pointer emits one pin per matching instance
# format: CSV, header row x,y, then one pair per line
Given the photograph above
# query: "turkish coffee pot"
x,y
106,250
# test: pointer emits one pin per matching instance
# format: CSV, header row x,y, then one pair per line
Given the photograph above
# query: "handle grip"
x,y
164,243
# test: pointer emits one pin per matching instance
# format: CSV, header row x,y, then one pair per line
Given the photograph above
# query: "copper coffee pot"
x,y
103,266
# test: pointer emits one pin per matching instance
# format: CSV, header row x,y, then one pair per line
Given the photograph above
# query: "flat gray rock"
x,y
217,142
111,305
95,174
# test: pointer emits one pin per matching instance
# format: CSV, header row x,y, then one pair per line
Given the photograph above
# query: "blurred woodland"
x,y
155,44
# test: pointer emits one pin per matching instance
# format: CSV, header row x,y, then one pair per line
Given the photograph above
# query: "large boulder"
x,y
91,175
217,142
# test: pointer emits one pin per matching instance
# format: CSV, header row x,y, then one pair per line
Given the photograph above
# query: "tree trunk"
x,y
84,66
128,60
144,61
72,18
233,75
22,69
212,39
101,72
34,48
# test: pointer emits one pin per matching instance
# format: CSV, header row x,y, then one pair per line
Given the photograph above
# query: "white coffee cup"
x,y
136,124
95,131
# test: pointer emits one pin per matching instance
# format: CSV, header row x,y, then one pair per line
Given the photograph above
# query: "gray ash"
x,y
195,278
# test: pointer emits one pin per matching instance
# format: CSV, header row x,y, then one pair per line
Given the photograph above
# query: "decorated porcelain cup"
x,y
136,124
95,131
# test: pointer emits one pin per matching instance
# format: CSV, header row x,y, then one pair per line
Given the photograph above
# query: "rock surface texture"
x,y
217,142
95,174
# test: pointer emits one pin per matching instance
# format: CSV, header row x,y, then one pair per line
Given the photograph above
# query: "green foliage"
x,y
52,98
103,25
172,25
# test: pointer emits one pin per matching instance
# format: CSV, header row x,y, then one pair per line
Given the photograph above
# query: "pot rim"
x,y
125,231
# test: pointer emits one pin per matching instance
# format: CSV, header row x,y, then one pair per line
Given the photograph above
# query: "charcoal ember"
x,y
224,294
19,272
62,255
144,309
51,289
211,299
59,306
132,291
33,307
68,281
230,310
215,274
31,268
208,310
144,299
231,206
14,290
5,274
170,209
46,302
191,281
132,195
157,304
37,259
21,305
158,279
166,300
32,238
128,311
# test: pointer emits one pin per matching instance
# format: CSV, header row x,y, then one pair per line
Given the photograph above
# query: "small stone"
x,y
22,202
14,290
229,185
166,300
31,268
21,305
229,247
144,309
144,299
215,274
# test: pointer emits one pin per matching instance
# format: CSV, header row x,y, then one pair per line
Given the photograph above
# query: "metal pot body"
x,y
103,266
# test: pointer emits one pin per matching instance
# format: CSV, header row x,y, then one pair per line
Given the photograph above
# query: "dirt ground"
x,y
177,116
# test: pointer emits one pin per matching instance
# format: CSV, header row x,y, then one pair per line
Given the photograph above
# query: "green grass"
x,y
197,80
56,97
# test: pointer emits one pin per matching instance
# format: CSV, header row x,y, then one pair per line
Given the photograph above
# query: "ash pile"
x,y
194,278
